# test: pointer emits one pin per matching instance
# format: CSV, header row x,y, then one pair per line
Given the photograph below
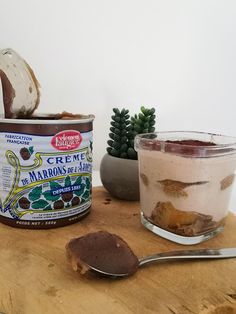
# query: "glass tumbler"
x,y
186,180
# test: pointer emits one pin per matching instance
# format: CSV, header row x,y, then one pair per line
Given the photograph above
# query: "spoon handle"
x,y
189,254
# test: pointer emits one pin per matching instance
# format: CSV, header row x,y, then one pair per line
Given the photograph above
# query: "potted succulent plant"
x,y
119,167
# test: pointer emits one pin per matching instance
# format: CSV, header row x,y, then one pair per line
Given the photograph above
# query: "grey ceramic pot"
x,y
120,177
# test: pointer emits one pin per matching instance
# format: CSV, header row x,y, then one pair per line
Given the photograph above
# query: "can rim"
x,y
86,119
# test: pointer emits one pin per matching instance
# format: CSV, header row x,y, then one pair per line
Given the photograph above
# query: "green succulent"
x,y
124,129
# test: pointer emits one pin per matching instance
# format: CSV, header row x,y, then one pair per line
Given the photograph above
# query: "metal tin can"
x,y
46,171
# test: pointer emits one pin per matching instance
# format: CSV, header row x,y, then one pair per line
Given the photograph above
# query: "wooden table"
x,y
36,278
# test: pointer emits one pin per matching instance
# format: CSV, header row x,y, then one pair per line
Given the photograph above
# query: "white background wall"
x,y
89,56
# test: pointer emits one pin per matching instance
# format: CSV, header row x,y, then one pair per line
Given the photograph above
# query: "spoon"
x,y
173,256
109,255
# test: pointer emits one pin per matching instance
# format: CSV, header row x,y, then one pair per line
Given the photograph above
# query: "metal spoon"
x,y
173,256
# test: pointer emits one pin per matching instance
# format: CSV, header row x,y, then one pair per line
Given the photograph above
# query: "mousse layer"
x,y
196,186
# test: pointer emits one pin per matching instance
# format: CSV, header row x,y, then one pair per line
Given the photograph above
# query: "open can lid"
x,y
20,87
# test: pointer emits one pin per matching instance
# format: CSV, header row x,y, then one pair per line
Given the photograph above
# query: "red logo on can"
x,y
67,140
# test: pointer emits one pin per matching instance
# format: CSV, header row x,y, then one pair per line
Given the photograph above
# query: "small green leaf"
x,y
123,112
54,185
123,147
151,130
116,138
67,181
131,142
86,195
117,119
81,191
152,111
109,149
152,118
31,150
122,126
40,204
116,110
78,181
112,136
132,153
110,142
123,132
141,116
137,128
36,193
48,207
116,131
139,122
114,152
88,183
143,110
123,139
147,112
124,155
49,197
116,145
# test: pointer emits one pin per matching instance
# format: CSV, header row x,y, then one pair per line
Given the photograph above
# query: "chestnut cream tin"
x,y
45,172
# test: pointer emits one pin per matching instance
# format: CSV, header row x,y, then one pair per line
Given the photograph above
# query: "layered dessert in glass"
x,y
186,179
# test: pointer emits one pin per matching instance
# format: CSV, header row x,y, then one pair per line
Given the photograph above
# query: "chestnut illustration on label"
x,y
51,183
54,198
58,205
67,196
26,152
75,201
24,203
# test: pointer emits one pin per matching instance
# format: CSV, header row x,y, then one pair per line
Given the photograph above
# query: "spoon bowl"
x,y
108,255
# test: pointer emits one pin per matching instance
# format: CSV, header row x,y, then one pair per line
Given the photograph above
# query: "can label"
x,y
45,178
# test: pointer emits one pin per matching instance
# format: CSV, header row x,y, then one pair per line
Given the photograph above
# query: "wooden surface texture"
x,y
36,278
